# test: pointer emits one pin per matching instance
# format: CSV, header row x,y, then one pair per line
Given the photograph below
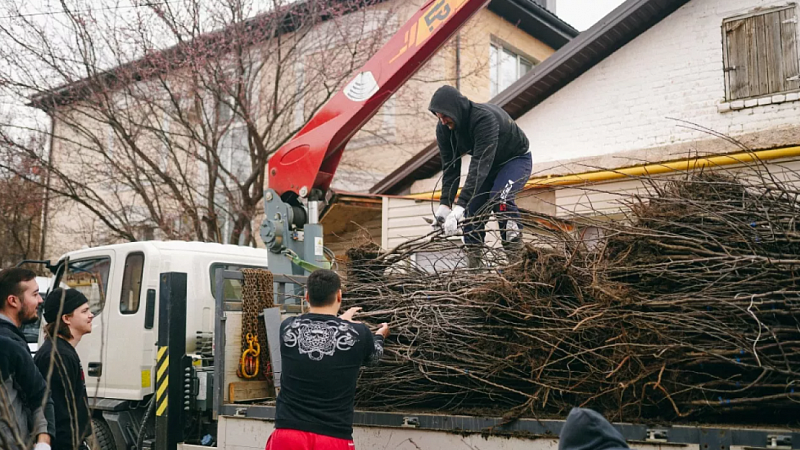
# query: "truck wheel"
x,y
104,440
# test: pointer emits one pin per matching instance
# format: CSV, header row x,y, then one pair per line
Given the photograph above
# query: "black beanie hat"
x,y
72,300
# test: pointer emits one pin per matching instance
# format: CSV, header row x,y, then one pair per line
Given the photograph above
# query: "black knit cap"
x,y
72,300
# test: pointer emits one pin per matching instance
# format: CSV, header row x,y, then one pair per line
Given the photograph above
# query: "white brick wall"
x,y
613,197
673,70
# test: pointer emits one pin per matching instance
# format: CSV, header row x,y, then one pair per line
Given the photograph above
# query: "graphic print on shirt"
x,y
318,339
377,354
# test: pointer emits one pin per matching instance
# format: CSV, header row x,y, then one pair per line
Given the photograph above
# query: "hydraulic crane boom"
x,y
309,160
302,170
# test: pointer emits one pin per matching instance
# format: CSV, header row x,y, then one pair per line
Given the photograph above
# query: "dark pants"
x,y
497,195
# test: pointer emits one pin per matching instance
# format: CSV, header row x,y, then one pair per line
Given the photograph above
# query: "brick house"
x,y
637,94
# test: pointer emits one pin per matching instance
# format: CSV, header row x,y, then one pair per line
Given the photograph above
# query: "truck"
x,y
129,286
169,337
123,283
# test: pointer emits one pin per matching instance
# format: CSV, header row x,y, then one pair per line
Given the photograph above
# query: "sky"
x,y
582,14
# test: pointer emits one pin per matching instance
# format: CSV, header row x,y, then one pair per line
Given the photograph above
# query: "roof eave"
x,y
578,56
535,20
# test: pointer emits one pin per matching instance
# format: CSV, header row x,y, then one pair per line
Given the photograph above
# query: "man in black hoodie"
x,y
588,430
501,164
18,375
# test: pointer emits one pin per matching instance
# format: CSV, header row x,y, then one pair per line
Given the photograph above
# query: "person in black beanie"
x,y
68,320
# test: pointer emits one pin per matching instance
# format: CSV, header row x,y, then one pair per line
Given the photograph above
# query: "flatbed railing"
x,y
222,306
715,437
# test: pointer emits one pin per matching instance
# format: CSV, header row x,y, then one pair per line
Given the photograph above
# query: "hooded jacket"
x,y
23,387
588,430
10,330
482,130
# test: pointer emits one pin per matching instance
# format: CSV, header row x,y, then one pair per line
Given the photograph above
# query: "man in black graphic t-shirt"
x,y
321,356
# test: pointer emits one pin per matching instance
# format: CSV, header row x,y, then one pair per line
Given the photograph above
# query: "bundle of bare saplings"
x,y
681,305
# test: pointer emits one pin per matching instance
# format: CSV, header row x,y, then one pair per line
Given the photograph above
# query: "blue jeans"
x,y
498,192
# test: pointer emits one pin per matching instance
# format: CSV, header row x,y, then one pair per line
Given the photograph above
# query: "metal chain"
x,y
257,295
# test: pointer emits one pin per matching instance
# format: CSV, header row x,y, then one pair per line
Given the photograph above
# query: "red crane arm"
x,y
309,160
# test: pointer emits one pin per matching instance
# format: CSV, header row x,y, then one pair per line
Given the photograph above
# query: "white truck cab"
x,y
122,283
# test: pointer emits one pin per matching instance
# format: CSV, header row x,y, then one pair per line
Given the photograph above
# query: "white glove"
x,y
441,214
41,446
451,223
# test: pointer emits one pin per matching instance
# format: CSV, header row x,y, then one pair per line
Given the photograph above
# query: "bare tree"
x,y
21,212
174,141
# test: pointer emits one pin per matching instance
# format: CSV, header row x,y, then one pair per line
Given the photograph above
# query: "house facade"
x,y
653,90
500,44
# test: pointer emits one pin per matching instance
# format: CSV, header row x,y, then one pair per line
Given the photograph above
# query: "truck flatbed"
x,y
451,426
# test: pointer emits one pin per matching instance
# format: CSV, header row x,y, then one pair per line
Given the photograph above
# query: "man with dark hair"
x,y
322,289
321,356
67,383
500,166
19,301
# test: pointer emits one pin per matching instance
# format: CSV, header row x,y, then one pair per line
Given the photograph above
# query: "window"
x,y
225,109
144,232
235,152
31,331
110,137
166,145
299,101
760,53
547,4
90,276
506,67
233,288
131,284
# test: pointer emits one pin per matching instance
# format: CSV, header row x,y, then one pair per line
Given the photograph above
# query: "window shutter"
x,y
757,68
791,69
738,50
761,54
775,71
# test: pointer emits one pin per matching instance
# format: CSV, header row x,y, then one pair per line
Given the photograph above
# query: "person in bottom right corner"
x,y
586,429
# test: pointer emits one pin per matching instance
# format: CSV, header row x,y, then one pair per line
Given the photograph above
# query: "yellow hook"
x,y
248,366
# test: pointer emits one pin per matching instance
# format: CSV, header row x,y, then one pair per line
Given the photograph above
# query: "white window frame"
x,y
497,48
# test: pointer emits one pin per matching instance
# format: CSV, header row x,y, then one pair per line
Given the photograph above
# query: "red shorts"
x,y
286,439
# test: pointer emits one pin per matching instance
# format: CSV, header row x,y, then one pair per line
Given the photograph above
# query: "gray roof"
x,y
525,14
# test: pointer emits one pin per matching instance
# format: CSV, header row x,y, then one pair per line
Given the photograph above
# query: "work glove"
x,y
452,221
441,214
41,446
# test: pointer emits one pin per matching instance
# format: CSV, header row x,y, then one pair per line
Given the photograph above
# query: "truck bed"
x,y
450,429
